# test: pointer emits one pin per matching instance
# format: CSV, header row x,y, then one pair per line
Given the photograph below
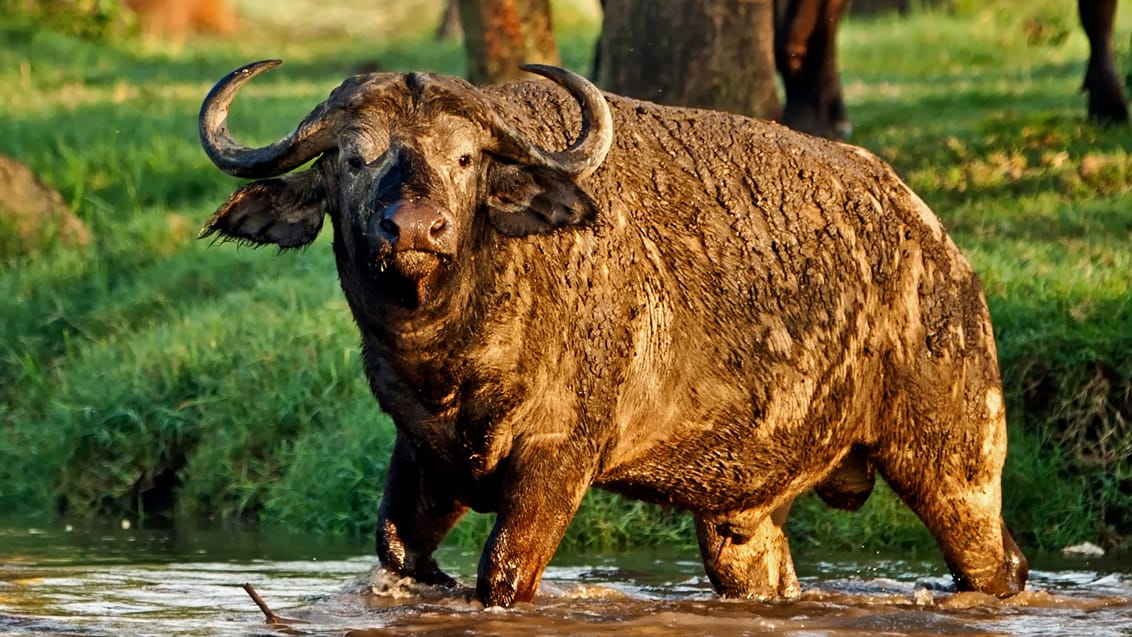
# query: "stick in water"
x,y
272,618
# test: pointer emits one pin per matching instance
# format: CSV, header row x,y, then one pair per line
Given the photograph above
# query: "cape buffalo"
x,y
558,288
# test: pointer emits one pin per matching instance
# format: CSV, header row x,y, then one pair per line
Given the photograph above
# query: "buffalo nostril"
x,y
411,225
389,227
437,227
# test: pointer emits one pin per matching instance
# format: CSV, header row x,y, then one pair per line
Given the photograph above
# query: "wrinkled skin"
x,y
719,316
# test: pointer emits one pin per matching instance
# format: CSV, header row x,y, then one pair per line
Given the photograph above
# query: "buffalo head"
x,y
413,169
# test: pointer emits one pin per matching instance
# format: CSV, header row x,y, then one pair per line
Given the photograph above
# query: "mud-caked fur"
x,y
723,315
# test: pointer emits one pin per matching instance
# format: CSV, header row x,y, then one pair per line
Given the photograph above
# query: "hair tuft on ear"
x,y
286,212
524,200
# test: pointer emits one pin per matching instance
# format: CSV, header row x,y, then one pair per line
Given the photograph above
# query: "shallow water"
x,y
60,582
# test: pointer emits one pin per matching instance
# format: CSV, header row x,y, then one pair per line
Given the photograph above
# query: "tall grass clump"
x,y
89,19
152,376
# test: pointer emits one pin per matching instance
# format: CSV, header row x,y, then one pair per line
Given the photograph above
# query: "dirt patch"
x,y
33,216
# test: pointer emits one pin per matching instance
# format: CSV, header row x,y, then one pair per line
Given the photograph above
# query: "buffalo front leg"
x,y
417,511
746,555
539,500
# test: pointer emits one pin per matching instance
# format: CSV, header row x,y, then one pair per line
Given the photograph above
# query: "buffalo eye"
x,y
464,161
354,163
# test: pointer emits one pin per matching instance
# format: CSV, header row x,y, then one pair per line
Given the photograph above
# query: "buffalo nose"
x,y
414,225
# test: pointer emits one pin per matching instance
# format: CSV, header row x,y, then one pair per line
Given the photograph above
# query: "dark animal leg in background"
x,y
414,518
449,25
806,56
747,555
1108,103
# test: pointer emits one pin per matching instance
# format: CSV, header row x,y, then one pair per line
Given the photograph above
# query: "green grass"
x,y
150,375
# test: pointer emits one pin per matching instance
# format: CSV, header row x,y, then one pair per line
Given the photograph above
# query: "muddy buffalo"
x,y
558,288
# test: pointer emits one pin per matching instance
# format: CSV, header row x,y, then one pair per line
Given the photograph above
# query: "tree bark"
x,y
499,35
716,54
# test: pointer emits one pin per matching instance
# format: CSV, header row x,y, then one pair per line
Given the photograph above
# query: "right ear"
x,y
285,211
525,200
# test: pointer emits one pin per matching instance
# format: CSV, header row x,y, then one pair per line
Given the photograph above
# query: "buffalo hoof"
x,y
1107,101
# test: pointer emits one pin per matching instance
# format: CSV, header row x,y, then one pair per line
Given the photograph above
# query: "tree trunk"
x,y
715,54
499,35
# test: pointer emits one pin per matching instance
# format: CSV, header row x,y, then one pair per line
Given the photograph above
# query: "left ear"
x,y
523,200
285,211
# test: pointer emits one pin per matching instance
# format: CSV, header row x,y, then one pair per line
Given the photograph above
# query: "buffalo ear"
x,y
285,211
524,200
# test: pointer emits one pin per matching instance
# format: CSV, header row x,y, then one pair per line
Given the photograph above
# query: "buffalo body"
x,y
558,289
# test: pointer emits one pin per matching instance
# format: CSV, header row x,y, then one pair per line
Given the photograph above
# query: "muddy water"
x,y
60,582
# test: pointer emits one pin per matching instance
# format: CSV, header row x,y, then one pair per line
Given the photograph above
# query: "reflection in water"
x,y
155,584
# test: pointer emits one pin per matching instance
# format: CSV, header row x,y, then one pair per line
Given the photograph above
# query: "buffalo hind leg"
x,y
747,556
945,442
966,521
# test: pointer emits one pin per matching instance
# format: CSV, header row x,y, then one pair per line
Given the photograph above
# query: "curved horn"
x,y
587,152
312,137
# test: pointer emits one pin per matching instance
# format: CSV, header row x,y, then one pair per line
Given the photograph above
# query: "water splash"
x,y
116,583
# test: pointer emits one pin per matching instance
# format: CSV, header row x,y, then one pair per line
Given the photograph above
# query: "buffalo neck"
x,y
427,344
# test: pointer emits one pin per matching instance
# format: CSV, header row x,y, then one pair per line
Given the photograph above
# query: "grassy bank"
x,y
149,375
